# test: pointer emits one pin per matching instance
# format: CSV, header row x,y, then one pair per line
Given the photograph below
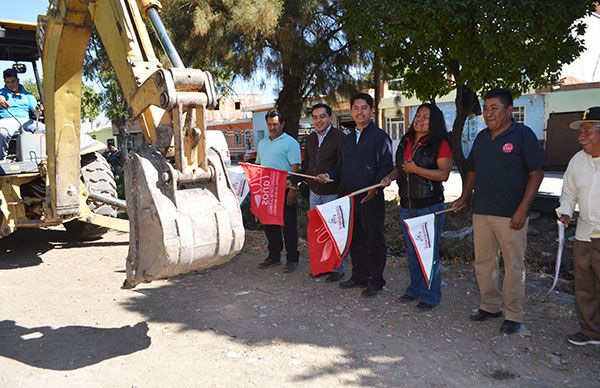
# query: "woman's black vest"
x,y
414,190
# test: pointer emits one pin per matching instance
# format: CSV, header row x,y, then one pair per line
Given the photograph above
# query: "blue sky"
x,y
24,10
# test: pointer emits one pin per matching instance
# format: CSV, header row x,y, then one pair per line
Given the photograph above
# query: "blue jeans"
x,y
316,199
418,287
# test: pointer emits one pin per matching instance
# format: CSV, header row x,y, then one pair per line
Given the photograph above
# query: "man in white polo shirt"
x,y
282,152
581,185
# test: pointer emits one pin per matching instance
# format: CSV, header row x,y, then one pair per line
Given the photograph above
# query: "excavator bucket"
x,y
178,226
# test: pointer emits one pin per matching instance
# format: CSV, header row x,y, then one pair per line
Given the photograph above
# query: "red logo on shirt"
x,y
507,148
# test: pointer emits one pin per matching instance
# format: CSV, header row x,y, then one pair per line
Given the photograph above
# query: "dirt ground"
x,y
66,322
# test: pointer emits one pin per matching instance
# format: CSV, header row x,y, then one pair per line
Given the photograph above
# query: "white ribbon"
x,y
561,244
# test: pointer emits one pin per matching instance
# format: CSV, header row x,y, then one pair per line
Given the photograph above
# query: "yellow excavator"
x,y
183,214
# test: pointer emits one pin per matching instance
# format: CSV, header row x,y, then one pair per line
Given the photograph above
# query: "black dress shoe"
x,y
406,299
351,283
482,315
370,292
269,262
334,277
290,266
509,327
422,306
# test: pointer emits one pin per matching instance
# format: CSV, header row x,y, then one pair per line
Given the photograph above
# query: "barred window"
x,y
238,138
394,126
519,114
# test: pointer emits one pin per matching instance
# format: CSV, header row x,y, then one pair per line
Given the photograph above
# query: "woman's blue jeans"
x,y
418,286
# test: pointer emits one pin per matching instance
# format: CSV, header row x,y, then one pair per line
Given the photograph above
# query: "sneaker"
x,y
370,292
482,315
422,306
406,299
334,277
290,266
351,283
269,263
581,339
509,327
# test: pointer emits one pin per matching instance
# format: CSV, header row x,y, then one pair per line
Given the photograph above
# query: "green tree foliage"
x,y
222,36
97,68
301,43
31,87
90,99
469,45
312,57
90,102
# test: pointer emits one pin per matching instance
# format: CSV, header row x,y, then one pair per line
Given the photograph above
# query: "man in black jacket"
x,y
323,148
365,158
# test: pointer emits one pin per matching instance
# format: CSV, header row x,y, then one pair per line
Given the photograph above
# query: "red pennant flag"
x,y
267,192
329,234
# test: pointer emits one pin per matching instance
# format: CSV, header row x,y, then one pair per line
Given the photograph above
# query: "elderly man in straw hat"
x,y
581,185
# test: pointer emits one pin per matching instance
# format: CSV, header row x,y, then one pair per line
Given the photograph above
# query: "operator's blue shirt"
x,y
502,166
20,104
280,153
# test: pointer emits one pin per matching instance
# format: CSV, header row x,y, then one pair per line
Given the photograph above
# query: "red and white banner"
x,y
422,234
329,234
267,192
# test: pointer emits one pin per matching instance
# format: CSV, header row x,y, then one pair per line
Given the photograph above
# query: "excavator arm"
x,y
183,213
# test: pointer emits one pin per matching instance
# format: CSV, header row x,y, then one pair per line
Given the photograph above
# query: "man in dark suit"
x,y
323,147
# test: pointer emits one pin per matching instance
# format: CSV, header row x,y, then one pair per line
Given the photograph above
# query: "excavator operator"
x,y
15,105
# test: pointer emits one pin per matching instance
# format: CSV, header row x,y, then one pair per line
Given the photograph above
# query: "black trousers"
x,y
368,250
276,235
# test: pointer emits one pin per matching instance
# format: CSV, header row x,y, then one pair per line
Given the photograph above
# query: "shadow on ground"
x,y
70,347
261,308
334,331
385,342
25,247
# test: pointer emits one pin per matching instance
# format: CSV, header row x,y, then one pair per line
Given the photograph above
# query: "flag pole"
x,y
443,211
289,172
365,189
302,175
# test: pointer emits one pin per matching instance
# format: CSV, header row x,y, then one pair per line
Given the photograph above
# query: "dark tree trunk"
x,y
377,77
465,103
289,102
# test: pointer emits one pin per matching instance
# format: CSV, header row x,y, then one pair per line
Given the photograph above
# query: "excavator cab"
x,y
183,214
23,177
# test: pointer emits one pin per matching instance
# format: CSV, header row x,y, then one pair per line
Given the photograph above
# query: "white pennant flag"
x,y
337,216
329,234
240,184
422,234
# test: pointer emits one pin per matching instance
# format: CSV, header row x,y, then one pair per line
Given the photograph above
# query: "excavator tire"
x,y
98,177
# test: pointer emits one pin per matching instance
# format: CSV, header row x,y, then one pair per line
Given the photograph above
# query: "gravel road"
x,y
65,322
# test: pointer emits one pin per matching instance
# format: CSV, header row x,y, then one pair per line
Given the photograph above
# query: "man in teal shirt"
x,y
282,152
15,105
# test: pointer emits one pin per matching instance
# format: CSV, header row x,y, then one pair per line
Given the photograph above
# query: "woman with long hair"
x,y
423,162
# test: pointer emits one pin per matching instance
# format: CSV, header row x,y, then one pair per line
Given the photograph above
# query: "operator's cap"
x,y
591,115
9,73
